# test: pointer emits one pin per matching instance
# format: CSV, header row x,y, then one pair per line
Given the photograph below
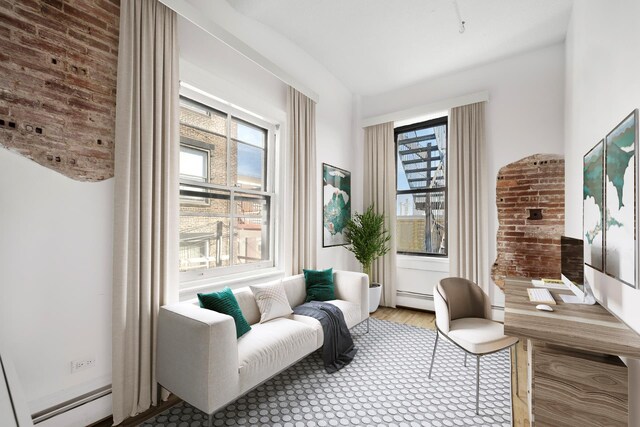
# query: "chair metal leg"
x,y
477,385
210,423
433,355
465,359
367,325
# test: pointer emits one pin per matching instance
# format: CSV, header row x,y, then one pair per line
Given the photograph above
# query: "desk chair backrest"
x,y
458,298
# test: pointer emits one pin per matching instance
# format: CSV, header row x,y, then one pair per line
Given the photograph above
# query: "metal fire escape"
x,y
423,163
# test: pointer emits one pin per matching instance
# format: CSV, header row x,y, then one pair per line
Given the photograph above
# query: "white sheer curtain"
x,y
145,262
380,190
467,202
303,180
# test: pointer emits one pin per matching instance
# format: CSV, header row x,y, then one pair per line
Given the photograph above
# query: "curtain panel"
x,y
145,262
380,190
468,257
303,180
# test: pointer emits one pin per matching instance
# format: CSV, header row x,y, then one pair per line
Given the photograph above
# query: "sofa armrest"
x,y
353,287
197,355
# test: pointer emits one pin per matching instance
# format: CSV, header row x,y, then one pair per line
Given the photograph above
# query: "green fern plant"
x,y
368,238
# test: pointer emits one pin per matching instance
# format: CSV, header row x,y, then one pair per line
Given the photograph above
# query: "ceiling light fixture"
x,y
461,22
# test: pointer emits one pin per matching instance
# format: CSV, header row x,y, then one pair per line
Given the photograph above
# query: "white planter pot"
x,y
374,298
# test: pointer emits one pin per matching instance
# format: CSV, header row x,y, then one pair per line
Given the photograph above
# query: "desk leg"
x,y
530,380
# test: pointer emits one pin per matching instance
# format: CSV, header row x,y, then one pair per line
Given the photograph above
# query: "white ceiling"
x,y
375,46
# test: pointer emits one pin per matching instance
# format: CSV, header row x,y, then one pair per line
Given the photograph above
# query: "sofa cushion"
x,y
350,311
296,289
225,302
272,300
272,346
319,285
315,324
248,305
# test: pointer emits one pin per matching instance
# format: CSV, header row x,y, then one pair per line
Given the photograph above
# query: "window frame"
x,y
439,121
265,161
192,279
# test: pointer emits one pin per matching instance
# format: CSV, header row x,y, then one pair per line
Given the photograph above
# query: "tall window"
x,y
421,183
226,196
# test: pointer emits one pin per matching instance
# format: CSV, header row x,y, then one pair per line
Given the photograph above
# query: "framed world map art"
x,y
336,205
620,201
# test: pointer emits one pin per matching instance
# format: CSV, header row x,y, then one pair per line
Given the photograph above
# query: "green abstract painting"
x,y
336,201
620,201
593,207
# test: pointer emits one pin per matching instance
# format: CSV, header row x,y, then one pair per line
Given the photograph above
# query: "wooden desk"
x,y
575,376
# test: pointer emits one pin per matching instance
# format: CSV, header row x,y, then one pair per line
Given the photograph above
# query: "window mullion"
x,y
229,150
232,227
232,195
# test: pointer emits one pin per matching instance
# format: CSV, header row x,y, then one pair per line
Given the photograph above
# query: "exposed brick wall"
x,y
58,64
529,247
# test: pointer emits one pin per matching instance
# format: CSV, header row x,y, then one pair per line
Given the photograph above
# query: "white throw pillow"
x,y
272,300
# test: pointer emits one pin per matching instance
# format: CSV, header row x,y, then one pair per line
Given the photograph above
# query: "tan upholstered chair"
x,y
463,316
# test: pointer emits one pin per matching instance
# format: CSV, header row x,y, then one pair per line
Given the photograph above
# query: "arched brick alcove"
x,y
527,245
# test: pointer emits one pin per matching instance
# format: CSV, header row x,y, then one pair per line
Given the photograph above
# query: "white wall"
x,y
55,279
214,67
602,88
524,116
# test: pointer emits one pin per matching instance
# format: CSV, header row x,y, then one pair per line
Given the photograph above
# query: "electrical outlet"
x,y
82,364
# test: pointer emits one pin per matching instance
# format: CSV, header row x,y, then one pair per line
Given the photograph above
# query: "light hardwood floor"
x,y
427,319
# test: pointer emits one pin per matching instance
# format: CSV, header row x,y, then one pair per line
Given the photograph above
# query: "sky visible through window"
x,y
250,161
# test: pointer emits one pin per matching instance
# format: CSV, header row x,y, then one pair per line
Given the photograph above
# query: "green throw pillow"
x,y
319,285
225,302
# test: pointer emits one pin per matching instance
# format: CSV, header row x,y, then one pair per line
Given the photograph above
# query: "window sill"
x,y
421,262
189,290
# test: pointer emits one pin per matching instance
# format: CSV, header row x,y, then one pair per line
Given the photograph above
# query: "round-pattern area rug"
x,y
385,385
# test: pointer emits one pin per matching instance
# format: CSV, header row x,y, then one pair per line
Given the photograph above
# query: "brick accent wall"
x,y
58,64
529,247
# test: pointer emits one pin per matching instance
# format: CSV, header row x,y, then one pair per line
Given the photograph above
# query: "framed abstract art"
x,y
620,201
593,206
336,205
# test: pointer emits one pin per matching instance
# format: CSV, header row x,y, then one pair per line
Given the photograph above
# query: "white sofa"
x,y
201,361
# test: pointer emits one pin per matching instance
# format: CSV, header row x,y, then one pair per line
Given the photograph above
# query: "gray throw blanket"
x,y
338,350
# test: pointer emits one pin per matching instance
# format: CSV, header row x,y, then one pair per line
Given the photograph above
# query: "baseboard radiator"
x,y
415,295
70,404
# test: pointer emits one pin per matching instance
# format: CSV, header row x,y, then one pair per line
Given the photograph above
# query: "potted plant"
x,y
368,239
